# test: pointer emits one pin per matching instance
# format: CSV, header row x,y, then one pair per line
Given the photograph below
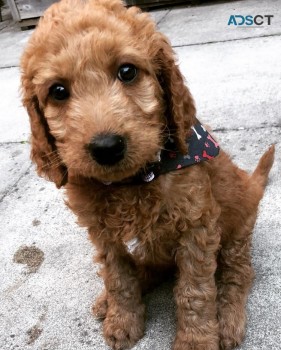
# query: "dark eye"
x,y
127,73
59,92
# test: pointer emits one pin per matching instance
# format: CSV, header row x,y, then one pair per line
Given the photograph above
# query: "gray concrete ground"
x,y
47,279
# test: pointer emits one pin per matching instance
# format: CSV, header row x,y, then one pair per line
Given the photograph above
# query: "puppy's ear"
x,y
43,149
180,104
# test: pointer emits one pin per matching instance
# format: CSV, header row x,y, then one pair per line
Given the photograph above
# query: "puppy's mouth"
x,y
114,160
125,171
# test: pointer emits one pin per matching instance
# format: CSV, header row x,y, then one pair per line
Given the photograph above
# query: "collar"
x,y
201,147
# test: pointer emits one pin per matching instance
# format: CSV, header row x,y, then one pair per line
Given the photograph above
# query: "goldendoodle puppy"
x,y
113,123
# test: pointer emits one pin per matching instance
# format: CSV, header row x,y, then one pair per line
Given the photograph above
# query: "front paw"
x,y
190,341
122,329
232,321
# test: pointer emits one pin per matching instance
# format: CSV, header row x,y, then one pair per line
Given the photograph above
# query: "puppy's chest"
x,y
151,235
146,221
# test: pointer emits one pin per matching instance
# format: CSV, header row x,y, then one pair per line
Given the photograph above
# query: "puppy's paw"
x,y
187,341
232,323
178,345
122,329
100,306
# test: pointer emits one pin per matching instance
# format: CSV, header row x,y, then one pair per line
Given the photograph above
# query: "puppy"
x,y
113,123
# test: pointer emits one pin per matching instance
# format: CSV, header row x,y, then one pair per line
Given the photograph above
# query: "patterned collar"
x,y
201,147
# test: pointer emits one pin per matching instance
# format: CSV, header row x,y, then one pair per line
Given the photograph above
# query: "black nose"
x,y
107,149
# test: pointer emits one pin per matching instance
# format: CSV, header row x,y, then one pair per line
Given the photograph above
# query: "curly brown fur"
x,y
198,220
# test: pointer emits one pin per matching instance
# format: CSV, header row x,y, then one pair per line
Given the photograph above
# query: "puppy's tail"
x,y
260,175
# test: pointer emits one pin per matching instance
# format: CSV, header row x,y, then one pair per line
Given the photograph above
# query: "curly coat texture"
x,y
196,222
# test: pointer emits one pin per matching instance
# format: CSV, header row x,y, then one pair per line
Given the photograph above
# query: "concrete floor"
x,y
235,77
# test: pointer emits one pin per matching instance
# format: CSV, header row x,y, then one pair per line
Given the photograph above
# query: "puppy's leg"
x,y
195,292
234,281
124,320
149,277
100,306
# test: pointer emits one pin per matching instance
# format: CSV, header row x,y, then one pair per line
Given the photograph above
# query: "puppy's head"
x,y
102,91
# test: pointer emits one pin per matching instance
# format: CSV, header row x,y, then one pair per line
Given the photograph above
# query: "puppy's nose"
x,y
107,149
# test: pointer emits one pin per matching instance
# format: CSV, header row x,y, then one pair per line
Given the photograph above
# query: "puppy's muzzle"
x,y
107,149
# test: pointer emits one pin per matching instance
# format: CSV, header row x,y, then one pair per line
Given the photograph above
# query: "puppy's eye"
x,y
127,73
59,92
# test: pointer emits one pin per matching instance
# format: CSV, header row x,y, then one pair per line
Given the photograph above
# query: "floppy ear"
x,y
43,149
180,109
